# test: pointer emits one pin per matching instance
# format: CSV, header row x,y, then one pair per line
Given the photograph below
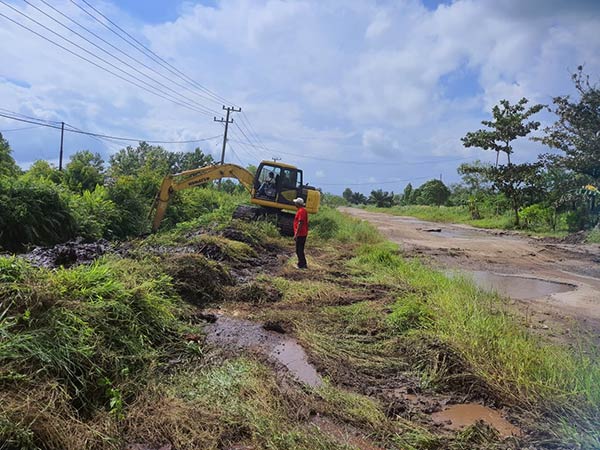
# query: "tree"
x,y
577,130
433,192
43,170
154,158
515,181
381,199
358,198
407,196
347,194
509,124
8,166
84,172
181,161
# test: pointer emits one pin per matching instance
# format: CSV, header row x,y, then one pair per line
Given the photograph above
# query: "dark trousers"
x,y
300,242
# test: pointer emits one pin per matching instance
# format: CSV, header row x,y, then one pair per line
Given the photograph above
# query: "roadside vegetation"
x,y
114,353
555,195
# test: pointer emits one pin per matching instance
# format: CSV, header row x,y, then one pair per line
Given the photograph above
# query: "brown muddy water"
x,y
513,286
457,417
281,349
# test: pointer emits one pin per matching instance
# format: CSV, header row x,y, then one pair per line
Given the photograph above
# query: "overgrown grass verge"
x,y
76,344
449,214
560,387
461,214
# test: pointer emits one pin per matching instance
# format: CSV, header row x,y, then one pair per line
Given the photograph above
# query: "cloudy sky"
x,y
361,94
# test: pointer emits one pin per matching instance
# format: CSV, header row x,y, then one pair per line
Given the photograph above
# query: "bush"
x,y
132,205
577,220
95,214
538,217
33,212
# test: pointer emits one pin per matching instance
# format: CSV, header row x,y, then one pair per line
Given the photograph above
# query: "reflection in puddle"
x,y
249,335
514,286
461,416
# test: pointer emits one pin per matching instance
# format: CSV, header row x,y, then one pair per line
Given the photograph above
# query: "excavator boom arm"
x,y
193,178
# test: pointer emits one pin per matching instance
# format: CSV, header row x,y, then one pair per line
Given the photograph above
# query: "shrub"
x,y
33,212
95,214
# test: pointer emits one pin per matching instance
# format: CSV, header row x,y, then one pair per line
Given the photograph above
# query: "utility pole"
x,y
62,136
226,121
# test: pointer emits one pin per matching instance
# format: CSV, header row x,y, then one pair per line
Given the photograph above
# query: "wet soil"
x,y
557,266
250,336
517,287
68,254
343,434
457,417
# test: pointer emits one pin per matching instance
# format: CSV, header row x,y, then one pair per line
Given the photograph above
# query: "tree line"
x,y
560,188
92,198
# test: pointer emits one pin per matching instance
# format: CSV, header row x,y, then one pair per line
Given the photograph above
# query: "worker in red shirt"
x,y
300,231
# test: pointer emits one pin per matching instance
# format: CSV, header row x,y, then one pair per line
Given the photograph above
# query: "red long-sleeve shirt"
x,y
301,216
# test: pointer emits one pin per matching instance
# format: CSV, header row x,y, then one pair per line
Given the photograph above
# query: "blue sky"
x,y
358,93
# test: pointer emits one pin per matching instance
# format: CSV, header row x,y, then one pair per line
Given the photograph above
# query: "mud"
x,y
68,254
521,288
245,335
466,248
457,417
343,434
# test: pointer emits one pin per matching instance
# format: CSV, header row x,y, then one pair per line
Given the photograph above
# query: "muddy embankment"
x,y
555,284
238,326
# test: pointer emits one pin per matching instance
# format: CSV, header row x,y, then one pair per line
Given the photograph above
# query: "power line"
x,y
127,54
90,61
374,182
247,148
28,117
148,52
191,102
72,129
339,161
21,129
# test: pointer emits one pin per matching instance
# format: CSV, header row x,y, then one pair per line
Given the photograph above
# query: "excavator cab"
x,y
276,185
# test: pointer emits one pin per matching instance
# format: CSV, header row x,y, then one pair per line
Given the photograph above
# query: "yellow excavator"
x,y
272,191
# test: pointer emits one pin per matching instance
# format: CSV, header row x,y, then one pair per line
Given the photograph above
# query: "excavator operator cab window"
x,y
266,182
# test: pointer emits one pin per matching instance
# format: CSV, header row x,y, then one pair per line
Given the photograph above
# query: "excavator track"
x,y
285,221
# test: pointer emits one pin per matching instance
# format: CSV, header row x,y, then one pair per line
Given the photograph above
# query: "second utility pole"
x,y
226,121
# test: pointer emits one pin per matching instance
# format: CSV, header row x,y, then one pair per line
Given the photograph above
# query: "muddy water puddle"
x,y
457,417
244,334
514,286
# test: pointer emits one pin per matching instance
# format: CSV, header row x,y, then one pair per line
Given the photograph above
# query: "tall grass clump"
x,y
330,224
594,236
91,333
33,212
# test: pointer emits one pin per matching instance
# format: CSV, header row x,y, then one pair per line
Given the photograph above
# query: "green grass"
x,y
239,402
82,340
517,366
461,214
594,236
330,224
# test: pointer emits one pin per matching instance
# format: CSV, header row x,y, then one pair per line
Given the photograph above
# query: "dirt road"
x,y
544,278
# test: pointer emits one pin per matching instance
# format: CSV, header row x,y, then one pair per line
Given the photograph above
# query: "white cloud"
x,y
352,80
